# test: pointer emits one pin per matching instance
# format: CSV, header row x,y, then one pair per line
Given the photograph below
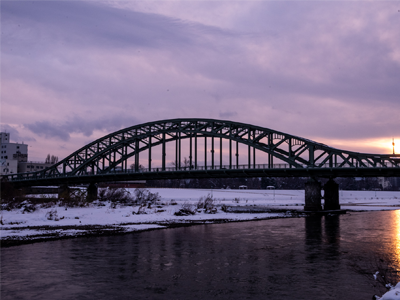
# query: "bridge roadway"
x,y
260,170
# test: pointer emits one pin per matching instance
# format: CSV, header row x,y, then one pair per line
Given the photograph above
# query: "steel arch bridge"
x,y
208,143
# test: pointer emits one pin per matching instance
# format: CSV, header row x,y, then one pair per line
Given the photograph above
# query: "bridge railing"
x,y
42,175
258,166
202,168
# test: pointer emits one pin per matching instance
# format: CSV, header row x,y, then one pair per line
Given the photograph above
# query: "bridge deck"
x,y
279,170
198,147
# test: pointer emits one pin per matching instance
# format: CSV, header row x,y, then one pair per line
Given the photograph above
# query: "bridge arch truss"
x,y
220,141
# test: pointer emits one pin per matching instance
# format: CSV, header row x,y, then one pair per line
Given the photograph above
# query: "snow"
x,y
393,294
40,233
16,223
376,275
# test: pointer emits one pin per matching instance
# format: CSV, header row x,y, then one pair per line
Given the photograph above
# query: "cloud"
x,y
15,135
89,25
76,124
318,70
227,114
48,130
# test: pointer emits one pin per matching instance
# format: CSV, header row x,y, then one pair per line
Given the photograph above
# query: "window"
x,y
17,147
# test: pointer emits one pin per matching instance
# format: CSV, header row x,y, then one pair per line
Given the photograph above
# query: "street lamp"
x,y
393,145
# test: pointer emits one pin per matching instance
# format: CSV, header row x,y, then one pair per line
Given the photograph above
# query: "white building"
x,y
11,154
32,166
14,157
14,151
8,166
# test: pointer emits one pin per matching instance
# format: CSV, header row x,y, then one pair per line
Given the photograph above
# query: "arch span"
x,y
111,153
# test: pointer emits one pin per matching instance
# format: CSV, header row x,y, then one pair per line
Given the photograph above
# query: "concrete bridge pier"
x,y
313,195
331,195
91,192
64,192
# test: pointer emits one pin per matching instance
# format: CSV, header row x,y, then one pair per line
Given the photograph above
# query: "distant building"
x,y
11,154
14,157
32,166
13,151
8,166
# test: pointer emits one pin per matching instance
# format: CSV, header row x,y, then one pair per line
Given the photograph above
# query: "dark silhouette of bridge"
x,y
212,148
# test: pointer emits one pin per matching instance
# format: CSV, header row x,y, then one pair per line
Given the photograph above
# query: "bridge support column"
x,y
64,192
91,192
331,195
312,196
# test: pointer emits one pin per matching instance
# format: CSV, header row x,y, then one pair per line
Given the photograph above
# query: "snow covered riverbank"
x,y
106,218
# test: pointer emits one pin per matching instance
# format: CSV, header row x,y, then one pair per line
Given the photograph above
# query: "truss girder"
x,y
105,154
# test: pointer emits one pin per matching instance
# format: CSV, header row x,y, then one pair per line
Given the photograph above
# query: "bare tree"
x,y
186,162
132,166
183,164
51,159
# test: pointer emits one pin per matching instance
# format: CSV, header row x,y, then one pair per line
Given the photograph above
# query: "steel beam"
x,y
120,146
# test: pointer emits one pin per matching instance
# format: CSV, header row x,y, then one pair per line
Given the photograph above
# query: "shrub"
x,y
75,198
207,203
186,210
52,215
144,196
141,211
115,195
47,204
27,207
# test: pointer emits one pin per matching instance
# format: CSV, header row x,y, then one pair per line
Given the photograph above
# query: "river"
x,y
293,258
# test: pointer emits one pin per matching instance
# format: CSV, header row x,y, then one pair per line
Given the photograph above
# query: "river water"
x,y
296,258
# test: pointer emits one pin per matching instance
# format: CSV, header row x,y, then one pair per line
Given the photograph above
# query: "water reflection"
x,y
332,230
332,236
396,225
305,258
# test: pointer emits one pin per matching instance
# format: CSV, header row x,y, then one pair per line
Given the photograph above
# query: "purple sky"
x,y
74,71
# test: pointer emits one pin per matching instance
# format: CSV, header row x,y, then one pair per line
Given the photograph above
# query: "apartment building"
x,y
14,157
